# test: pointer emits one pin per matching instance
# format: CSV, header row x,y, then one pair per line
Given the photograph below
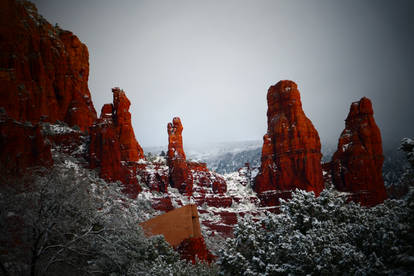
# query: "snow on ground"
x,y
239,192
54,129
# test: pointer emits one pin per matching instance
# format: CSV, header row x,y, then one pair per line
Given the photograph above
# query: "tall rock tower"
x,y
291,153
357,163
180,175
113,145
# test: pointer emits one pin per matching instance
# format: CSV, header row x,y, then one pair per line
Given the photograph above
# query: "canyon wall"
x,y
44,70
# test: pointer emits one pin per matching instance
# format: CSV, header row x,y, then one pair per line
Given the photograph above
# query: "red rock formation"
x,y
130,149
291,153
162,204
113,146
198,166
207,179
155,176
43,70
195,248
21,146
357,163
180,175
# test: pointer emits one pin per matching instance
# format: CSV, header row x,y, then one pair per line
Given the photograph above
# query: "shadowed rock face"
x,y
194,250
44,70
357,163
22,146
113,146
291,153
180,175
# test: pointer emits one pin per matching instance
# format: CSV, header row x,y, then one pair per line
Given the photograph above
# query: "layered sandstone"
x,y
291,153
44,70
180,175
357,163
113,147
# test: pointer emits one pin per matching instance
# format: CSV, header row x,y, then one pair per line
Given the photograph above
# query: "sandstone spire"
x,y
113,144
180,175
291,153
357,163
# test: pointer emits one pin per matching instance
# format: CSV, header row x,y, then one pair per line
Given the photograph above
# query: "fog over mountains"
x,y
228,157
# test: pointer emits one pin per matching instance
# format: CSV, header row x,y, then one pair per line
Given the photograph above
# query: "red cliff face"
x,y
357,163
291,153
180,175
113,146
43,70
22,146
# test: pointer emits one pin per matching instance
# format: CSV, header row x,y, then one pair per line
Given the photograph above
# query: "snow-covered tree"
x,y
399,188
45,221
69,220
407,146
324,235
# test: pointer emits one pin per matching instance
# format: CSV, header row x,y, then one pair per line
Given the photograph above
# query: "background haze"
x,y
211,62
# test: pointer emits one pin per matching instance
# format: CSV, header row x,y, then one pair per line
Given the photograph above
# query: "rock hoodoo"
x,y
180,175
130,149
291,153
44,70
113,147
357,163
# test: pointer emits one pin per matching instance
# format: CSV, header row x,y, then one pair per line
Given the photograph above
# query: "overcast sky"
x,y
212,62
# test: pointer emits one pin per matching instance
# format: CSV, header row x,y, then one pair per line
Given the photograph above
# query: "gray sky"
x,y
211,62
